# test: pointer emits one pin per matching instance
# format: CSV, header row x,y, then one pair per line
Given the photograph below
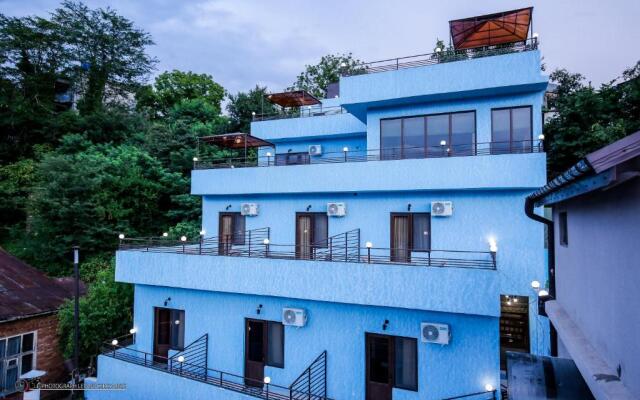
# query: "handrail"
x,y
302,112
226,380
384,154
196,353
489,395
344,247
313,379
442,56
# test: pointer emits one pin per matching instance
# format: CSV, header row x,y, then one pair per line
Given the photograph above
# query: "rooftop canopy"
x,y
296,98
237,140
492,29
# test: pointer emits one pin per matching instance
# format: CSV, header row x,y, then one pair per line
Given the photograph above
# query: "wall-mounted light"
x,y
535,285
228,207
259,309
385,324
409,207
166,301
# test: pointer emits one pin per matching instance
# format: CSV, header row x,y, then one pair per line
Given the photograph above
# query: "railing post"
x,y
330,249
200,245
267,391
145,359
309,384
346,248
249,243
368,255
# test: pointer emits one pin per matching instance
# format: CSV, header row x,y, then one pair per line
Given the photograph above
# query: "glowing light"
x,y
253,113
443,143
535,284
183,238
268,154
114,342
203,232
493,245
345,149
133,330
266,241
121,236
177,322
488,387
195,158
181,359
438,49
541,137
267,380
535,35
165,234
368,245
543,293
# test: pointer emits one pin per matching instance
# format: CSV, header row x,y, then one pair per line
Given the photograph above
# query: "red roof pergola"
x,y
296,98
492,29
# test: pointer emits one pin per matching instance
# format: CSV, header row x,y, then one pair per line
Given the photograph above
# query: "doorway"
x,y
168,332
379,366
311,233
514,326
255,352
231,228
410,232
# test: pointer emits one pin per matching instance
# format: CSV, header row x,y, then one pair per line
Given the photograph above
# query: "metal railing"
x,y
391,153
344,247
225,380
197,355
443,56
486,395
313,381
302,112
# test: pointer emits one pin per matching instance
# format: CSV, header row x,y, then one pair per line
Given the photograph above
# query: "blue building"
x,y
373,246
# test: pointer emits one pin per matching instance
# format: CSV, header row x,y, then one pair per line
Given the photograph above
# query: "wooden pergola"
x,y
236,141
491,29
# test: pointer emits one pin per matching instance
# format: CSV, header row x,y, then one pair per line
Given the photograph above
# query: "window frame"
x,y
410,215
236,237
282,159
4,359
395,363
563,228
510,150
267,360
474,145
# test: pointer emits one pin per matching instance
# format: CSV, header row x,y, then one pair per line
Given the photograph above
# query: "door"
x,y
231,228
255,352
514,326
304,235
401,237
379,366
162,335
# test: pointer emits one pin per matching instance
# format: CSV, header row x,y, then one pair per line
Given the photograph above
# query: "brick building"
x,y
29,303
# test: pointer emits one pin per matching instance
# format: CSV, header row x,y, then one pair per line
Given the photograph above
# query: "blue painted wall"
x,y
339,329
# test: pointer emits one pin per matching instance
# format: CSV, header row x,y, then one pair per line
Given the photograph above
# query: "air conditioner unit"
x,y
315,150
441,208
294,317
336,209
249,209
435,333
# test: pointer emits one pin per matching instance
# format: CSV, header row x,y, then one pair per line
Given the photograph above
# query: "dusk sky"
x,y
241,43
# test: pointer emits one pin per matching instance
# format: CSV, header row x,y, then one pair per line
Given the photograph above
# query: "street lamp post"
x,y
76,318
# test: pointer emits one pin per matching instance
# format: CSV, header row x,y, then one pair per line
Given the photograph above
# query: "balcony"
x,y
334,270
437,168
191,365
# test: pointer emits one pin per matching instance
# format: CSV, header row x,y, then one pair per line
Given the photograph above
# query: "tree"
x,y
172,88
242,106
587,118
105,312
315,78
111,52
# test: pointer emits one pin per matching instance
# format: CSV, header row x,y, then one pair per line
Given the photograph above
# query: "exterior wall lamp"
x,y
385,324
259,309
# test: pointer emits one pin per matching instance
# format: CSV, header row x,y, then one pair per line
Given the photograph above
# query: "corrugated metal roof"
x,y
26,291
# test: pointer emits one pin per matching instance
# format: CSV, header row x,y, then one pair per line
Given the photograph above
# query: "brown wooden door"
x,y
401,234
226,230
255,352
161,335
379,366
304,235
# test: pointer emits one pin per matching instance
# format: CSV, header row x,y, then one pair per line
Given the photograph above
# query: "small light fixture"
x,y
165,234
183,238
335,97
541,137
543,293
268,154
438,49
493,245
181,359
166,301
114,342
409,207
443,143
238,140
133,330
259,309
343,64
266,241
535,35
203,232
488,387
121,236
345,149
177,322
253,113
385,324
267,380
308,207
228,207
195,158
535,285
368,245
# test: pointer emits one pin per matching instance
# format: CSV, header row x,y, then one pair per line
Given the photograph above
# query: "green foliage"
x,y
242,105
172,88
106,311
587,118
316,78
16,181
111,49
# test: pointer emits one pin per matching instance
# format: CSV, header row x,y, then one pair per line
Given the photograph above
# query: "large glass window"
x,y
177,329
17,356
428,136
275,346
511,130
406,374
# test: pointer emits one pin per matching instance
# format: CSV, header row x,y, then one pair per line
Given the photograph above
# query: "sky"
x,y
242,43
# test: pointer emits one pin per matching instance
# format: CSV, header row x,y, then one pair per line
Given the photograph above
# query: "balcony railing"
x,y
392,153
198,370
443,56
311,111
344,247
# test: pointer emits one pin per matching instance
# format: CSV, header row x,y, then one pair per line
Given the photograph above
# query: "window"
x,y
409,232
177,329
17,356
312,232
511,130
406,374
275,344
421,227
564,232
423,136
